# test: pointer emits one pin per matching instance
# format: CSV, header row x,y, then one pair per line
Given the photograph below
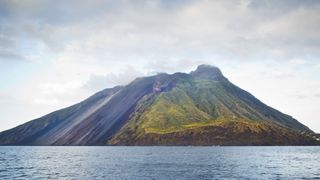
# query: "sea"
x,y
154,162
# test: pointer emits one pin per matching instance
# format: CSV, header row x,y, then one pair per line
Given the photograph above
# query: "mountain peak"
x,y
200,108
208,72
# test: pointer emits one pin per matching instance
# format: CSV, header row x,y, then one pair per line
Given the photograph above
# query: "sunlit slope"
x,y
199,102
199,108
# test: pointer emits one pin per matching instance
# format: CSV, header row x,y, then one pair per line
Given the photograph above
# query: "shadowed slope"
x,y
28,133
200,108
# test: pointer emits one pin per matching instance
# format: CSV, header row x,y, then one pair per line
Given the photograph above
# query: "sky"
x,y
54,53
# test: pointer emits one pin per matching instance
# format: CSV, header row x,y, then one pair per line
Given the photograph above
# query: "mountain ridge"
x,y
166,109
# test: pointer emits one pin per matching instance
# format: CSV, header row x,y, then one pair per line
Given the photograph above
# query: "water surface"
x,y
160,162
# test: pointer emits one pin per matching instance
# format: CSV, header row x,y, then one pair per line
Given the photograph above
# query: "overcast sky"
x,y
56,53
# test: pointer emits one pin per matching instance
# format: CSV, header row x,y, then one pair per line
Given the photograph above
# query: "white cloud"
x,y
298,61
269,47
59,88
123,77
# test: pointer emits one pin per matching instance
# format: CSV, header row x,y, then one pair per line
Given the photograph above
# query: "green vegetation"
x,y
197,106
193,102
200,108
171,111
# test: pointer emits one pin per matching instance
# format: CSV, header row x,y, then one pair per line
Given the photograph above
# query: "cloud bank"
x,y
55,53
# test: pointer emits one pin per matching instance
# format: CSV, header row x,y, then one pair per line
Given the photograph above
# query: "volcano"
x,y
198,108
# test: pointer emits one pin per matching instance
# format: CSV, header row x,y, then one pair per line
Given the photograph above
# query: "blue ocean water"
x,y
159,163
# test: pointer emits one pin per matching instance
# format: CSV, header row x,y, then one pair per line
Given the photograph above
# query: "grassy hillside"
x,y
200,108
220,133
197,103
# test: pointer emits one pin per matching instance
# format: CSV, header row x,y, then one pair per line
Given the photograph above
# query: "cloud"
x,y
152,30
5,42
6,55
264,45
99,82
175,65
282,74
298,61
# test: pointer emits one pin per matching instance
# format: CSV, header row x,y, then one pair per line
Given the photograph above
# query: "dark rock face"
x,y
40,131
94,126
200,108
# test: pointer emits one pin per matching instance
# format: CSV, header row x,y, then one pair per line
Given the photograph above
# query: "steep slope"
x,y
28,133
200,108
96,126
90,122
204,104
